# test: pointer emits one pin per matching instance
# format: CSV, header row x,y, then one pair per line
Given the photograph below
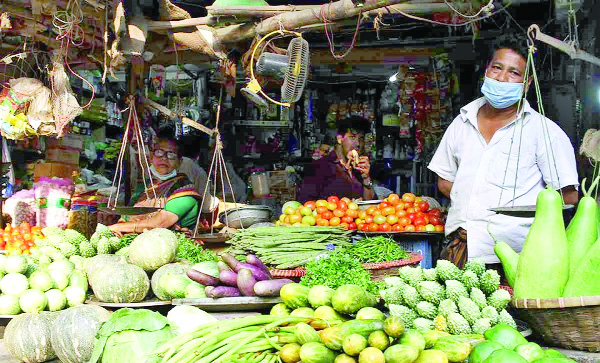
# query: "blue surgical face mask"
x,y
501,94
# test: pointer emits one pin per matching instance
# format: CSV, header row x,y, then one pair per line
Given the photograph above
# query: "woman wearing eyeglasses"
x,y
171,191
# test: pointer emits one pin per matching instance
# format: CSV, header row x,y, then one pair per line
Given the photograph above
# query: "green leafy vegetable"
x,y
191,251
335,270
131,335
376,249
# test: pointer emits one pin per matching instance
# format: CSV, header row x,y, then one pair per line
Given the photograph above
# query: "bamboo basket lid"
x,y
556,303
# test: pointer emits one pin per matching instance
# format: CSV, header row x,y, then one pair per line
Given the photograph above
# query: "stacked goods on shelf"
x,y
394,214
446,298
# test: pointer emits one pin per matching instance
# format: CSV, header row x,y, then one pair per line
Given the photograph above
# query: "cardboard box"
x,y
64,155
70,141
58,170
278,179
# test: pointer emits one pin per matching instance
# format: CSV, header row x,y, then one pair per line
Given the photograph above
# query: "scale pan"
x,y
522,210
128,211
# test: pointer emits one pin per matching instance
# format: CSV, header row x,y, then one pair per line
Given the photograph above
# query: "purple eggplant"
x,y
246,282
202,278
230,261
270,287
228,278
223,291
253,260
258,274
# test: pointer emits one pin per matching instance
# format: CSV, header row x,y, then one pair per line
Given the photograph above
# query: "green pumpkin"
x,y
120,283
27,337
74,332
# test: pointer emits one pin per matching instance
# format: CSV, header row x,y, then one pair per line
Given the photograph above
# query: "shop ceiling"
x,y
401,39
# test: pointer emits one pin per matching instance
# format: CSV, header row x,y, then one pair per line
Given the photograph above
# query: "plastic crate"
x,y
419,246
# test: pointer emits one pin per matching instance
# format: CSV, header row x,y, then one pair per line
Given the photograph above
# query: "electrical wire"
x,y
489,7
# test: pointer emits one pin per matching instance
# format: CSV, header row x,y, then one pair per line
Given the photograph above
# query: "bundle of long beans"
x,y
288,247
254,339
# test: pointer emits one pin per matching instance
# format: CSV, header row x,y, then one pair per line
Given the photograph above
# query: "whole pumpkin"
x,y
27,337
74,332
153,249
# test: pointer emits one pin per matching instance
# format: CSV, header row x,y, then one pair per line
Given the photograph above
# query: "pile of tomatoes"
x,y
395,213
20,239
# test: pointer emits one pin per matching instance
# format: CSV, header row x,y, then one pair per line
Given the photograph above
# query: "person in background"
x,y
345,171
494,154
173,192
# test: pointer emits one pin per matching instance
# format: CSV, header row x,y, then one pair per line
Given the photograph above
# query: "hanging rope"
x,y
133,127
67,24
329,37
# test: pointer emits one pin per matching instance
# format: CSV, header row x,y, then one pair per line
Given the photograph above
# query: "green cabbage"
x,y
131,335
185,318
207,267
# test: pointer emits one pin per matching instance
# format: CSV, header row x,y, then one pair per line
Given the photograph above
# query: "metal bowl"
x,y
244,217
365,204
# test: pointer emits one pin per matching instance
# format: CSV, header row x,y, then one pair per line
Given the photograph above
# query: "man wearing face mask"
x,y
173,192
499,152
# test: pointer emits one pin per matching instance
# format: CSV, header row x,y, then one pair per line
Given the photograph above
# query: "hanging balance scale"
x,y
133,127
529,210
217,171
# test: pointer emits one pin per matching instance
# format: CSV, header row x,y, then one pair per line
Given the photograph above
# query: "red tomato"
x,y
311,204
371,209
339,213
393,199
408,197
420,228
343,225
411,216
362,227
435,212
346,200
439,228
333,199
351,226
419,221
423,206
383,205
385,227
335,221
369,219
347,219
434,220
397,227
401,213
388,211
373,227
321,210
400,206
341,205
403,221
322,222
352,213
327,215
409,228
411,210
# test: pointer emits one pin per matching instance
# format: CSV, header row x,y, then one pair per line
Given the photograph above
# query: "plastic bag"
x,y
53,200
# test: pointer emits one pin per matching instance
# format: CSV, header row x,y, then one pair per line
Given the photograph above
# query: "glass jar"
x,y
260,183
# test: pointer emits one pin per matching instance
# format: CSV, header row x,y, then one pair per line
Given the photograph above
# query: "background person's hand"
x,y
364,166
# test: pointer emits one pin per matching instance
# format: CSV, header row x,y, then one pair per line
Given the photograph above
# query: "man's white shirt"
x,y
503,173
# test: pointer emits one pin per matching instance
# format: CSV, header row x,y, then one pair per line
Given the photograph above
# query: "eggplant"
x,y
254,260
223,291
270,287
202,278
228,278
258,273
230,261
246,282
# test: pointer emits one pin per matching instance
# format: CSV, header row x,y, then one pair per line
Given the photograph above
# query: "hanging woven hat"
x,y
240,3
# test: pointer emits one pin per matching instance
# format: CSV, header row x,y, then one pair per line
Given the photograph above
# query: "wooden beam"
x,y
371,55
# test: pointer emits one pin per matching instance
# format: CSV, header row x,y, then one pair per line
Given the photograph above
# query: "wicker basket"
x,y
378,270
569,322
